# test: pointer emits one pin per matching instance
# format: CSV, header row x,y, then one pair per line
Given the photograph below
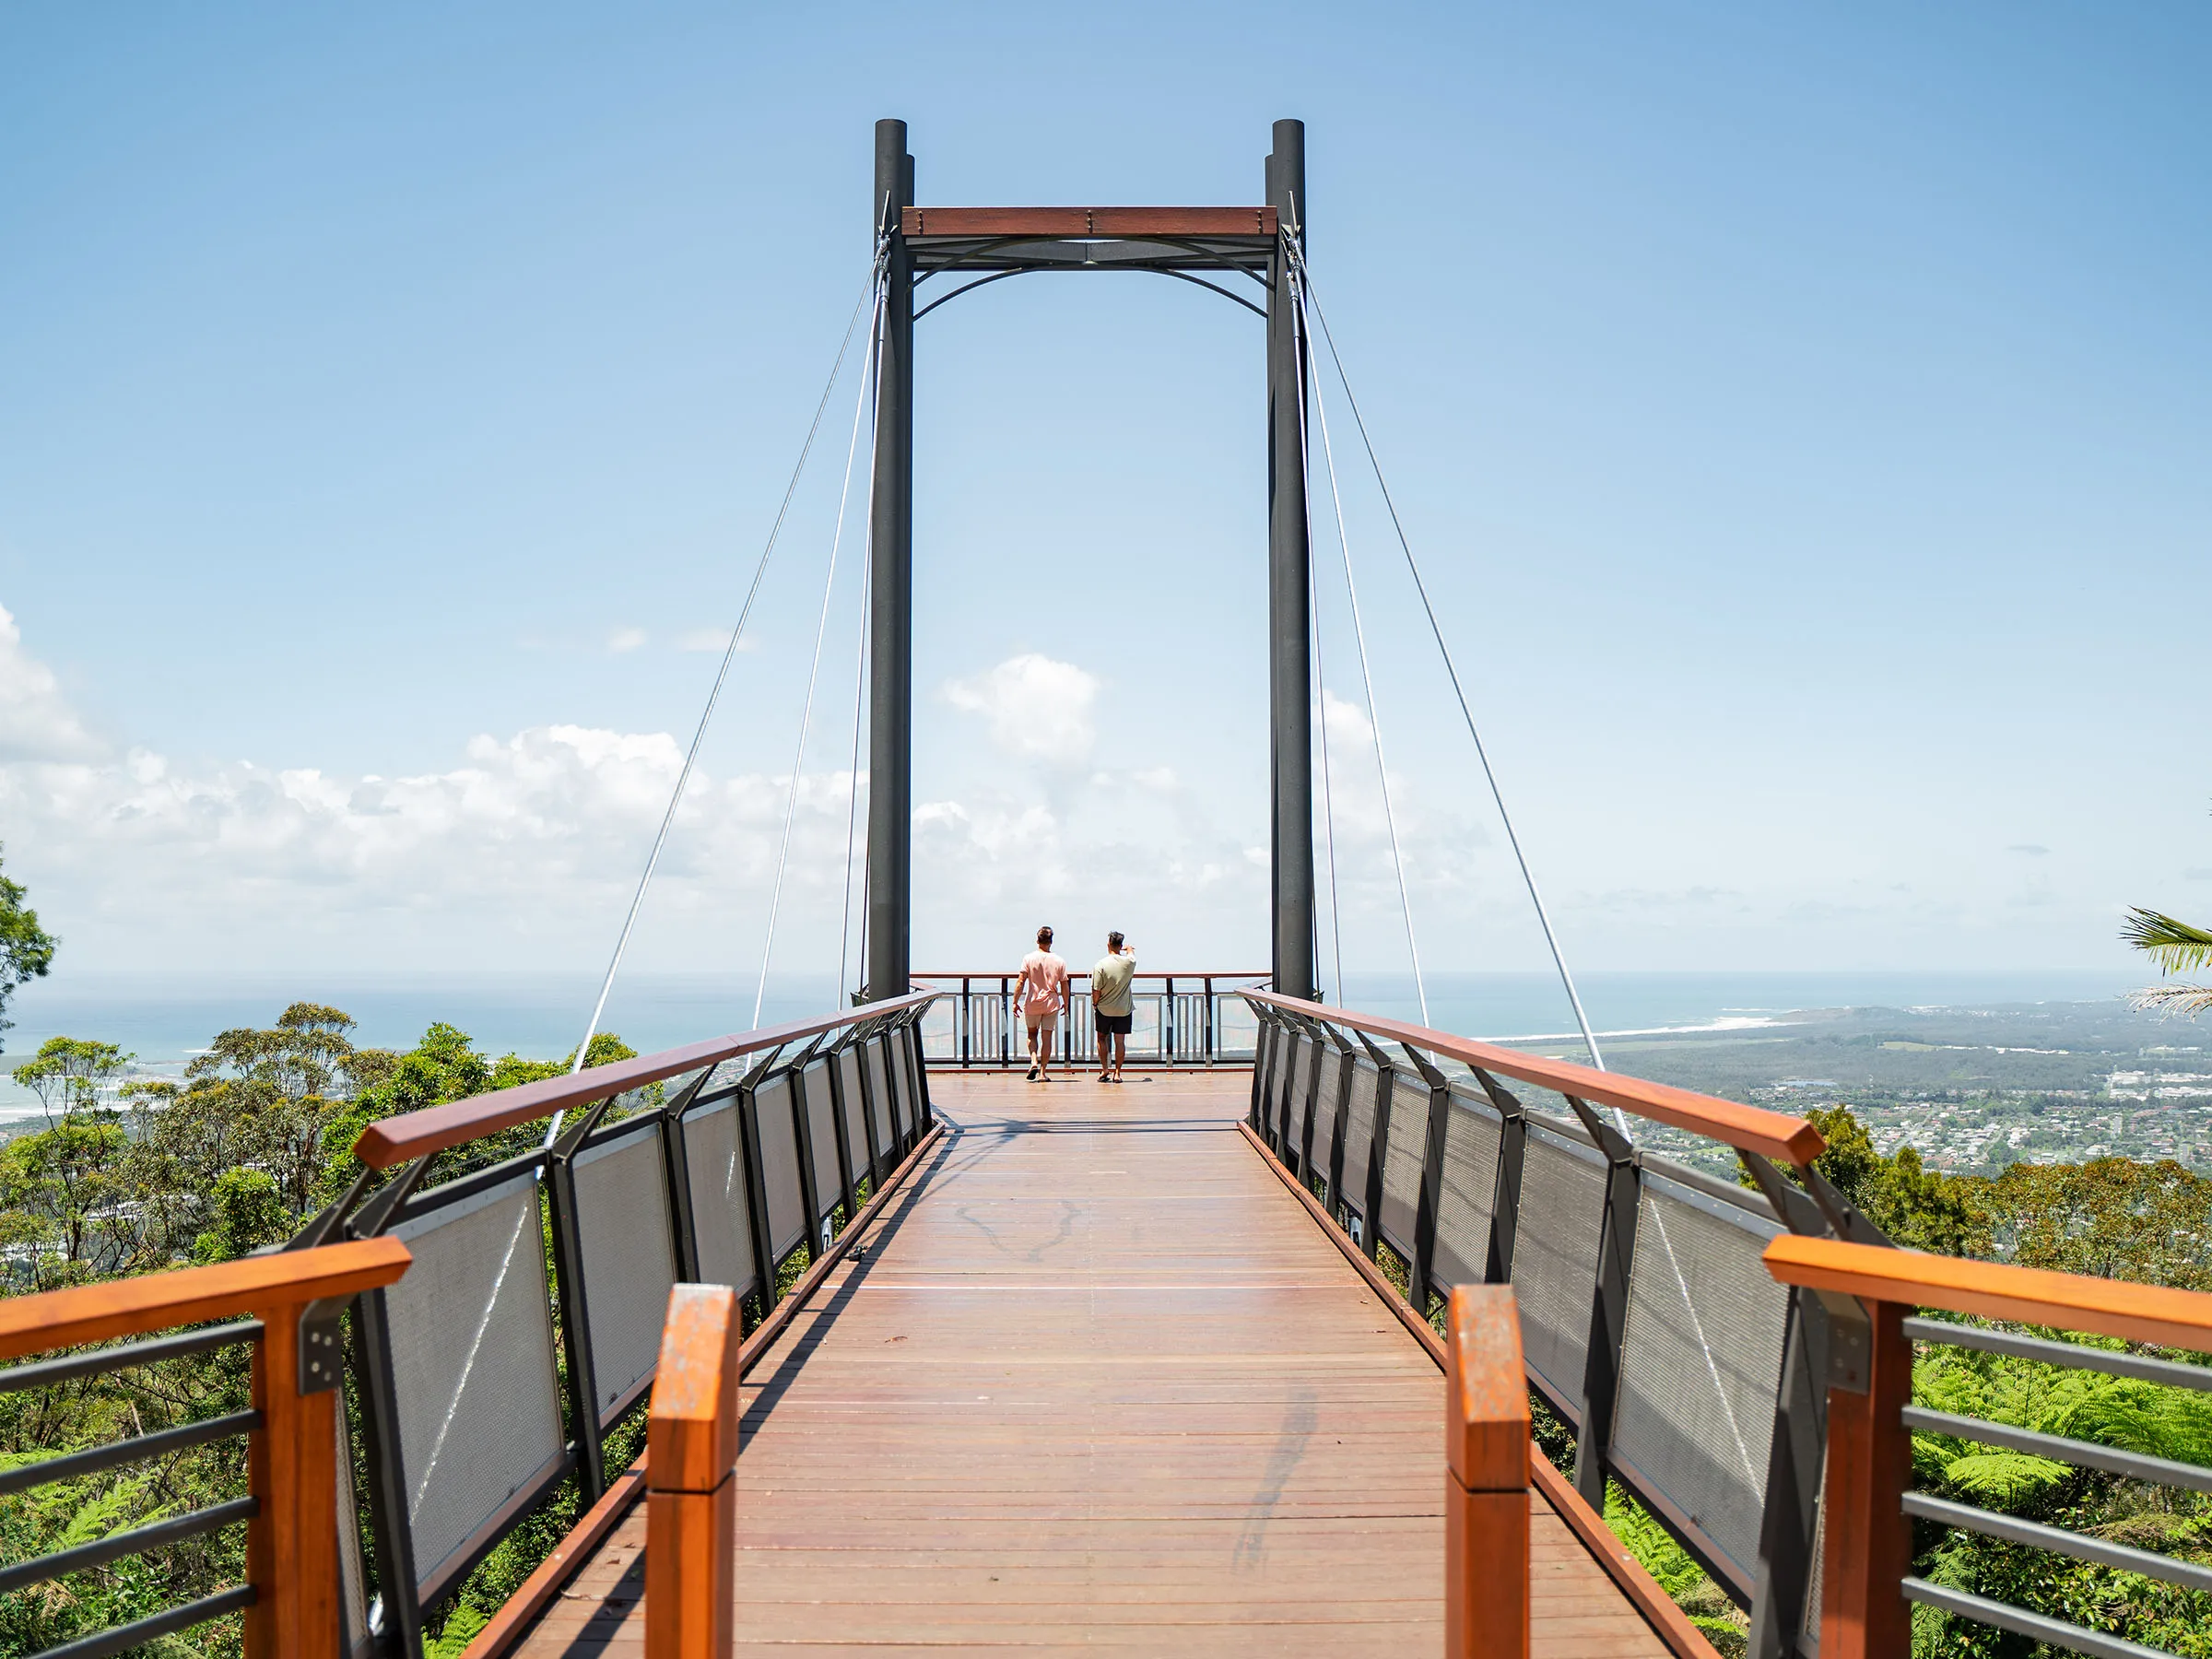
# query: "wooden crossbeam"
x,y
1061,222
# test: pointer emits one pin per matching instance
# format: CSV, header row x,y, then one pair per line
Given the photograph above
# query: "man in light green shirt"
x,y
1111,1007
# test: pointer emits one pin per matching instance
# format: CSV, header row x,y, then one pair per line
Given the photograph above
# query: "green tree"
x,y
1915,1205
250,1213
2113,1216
61,1188
26,949
266,1097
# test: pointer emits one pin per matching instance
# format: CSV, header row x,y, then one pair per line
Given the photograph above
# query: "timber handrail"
x,y
290,1598
156,1302
2152,1314
1487,1451
1867,1556
413,1135
1750,1128
690,1478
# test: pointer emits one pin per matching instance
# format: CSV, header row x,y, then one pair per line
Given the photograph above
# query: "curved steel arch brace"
x,y
1205,258
1142,270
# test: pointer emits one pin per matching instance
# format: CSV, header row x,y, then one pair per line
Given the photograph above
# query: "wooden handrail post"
x,y
292,1543
692,1479
1869,1540
1486,1480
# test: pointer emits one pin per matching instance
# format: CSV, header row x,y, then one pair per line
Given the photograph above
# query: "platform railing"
x,y
285,1306
1649,1324
1867,1587
1487,1451
691,1484
1177,1019
549,1224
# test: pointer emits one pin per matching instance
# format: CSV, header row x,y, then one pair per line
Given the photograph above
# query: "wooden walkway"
x,y
1098,1380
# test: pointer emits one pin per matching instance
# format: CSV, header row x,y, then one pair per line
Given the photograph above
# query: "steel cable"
x,y
822,632
1528,878
722,674
1328,792
1305,297
860,685
1375,712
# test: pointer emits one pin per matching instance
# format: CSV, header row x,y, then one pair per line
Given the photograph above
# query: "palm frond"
x,y
2174,946
2172,999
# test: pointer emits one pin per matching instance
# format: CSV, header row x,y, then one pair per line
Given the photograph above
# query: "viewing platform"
x,y
1095,1378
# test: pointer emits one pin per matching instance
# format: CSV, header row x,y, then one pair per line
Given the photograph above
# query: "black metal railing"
x,y
155,1536
506,1362
1650,1325
255,1452
1177,1019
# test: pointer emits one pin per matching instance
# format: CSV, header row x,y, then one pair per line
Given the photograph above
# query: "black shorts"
x,y
1113,1025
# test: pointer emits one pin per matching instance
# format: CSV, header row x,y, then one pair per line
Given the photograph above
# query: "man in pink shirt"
x,y
1040,996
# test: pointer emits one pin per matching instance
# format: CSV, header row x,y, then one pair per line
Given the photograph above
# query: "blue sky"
x,y
1802,414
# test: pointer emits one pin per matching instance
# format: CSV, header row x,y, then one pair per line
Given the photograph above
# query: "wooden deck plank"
x,y
1094,1381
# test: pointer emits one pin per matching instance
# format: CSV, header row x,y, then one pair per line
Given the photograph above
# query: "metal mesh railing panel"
x,y
856,1127
353,1594
1324,1133
1700,1362
1809,1628
1301,1085
1469,1190
779,1165
1273,1045
1405,1159
472,1366
1328,1084
821,1135
629,1256
715,1161
903,1114
1358,1130
879,1100
1561,1209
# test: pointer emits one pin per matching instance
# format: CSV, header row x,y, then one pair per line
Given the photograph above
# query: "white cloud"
x,y
36,721
532,841
1346,723
1037,709
626,639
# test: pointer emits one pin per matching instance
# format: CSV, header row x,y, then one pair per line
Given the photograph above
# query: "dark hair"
x,y
1044,935
1113,941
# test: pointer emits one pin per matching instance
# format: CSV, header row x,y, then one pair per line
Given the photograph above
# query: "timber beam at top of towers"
x,y
1156,237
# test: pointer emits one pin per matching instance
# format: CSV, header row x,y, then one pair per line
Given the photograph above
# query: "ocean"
x,y
164,1019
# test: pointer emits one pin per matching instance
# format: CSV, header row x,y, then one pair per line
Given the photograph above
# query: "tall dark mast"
x,y
891,613
1289,623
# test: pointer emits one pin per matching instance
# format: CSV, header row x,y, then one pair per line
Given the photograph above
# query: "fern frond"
x,y
2175,945
2004,1478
